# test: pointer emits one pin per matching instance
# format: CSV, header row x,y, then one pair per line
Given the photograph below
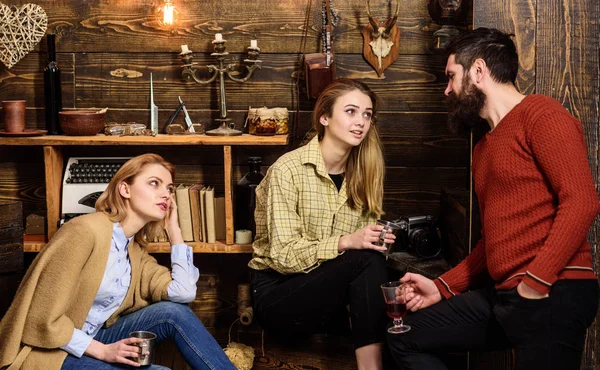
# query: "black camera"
x,y
418,234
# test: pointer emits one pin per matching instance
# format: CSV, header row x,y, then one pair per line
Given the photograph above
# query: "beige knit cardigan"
x,y
60,286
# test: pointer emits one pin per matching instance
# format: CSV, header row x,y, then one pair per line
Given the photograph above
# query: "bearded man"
x,y
537,201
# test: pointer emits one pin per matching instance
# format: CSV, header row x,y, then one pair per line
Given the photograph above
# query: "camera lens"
x,y
424,242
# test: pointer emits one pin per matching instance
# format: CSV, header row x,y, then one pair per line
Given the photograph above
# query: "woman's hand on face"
x,y
366,238
172,224
117,352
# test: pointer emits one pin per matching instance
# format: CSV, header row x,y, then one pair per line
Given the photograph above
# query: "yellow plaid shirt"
x,y
300,215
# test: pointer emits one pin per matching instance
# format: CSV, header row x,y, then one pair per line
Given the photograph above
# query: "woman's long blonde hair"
x,y
365,167
113,205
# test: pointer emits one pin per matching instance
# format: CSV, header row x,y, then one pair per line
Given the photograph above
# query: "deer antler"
x,y
374,24
389,25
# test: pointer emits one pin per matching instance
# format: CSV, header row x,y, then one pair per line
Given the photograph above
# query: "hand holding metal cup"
x,y
388,228
147,347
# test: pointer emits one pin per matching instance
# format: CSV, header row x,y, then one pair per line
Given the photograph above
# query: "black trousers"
x,y
546,334
301,304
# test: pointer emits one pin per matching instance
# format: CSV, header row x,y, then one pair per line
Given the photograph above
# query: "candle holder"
x,y
449,14
226,127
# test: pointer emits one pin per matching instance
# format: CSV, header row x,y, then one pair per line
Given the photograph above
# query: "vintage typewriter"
x,y
85,179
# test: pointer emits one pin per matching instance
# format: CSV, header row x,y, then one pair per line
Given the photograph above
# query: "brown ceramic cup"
x,y
14,115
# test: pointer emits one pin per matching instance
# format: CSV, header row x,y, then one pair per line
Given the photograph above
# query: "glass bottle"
x,y
52,89
245,196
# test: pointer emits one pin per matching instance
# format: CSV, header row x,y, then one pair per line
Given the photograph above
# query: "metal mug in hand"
x,y
387,227
147,346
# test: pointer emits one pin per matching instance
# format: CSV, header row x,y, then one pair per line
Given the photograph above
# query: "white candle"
x,y
253,44
185,50
243,236
218,37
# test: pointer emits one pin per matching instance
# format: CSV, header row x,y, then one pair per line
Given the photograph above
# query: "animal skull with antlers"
x,y
381,38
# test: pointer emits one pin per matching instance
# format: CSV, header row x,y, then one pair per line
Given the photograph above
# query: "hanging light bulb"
x,y
168,14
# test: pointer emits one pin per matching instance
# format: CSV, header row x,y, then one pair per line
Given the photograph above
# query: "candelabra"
x,y
226,127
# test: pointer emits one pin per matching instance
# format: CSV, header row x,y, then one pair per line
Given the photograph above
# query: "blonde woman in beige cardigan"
x,y
94,283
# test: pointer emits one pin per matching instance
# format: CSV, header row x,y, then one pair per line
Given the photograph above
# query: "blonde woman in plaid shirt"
x,y
314,251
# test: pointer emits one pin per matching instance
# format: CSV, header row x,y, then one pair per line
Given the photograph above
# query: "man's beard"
x,y
464,109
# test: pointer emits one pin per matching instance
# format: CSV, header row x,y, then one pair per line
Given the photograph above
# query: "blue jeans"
x,y
167,320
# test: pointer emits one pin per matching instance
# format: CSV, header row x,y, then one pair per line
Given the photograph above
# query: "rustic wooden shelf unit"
x,y
53,160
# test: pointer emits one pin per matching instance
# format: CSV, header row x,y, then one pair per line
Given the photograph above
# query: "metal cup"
x,y
387,227
147,346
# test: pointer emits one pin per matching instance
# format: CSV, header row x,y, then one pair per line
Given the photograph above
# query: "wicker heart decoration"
x,y
21,28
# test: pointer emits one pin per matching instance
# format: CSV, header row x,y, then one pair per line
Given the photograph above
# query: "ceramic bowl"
x,y
82,122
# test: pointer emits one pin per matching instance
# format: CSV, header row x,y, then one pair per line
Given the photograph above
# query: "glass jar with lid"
x,y
266,124
281,120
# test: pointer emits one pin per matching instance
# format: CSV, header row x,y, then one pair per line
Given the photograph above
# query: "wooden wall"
x,y
97,37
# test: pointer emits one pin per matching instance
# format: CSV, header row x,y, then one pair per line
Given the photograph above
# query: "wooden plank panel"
x,y
567,70
22,178
568,52
421,140
25,81
53,160
280,26
229,232
416,190
518,17
413,83
11,237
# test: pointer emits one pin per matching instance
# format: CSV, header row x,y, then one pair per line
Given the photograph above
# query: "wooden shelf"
x,y
59,140
54,167
218,247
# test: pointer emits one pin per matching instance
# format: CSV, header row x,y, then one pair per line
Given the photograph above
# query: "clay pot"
x,y
14,115
82,122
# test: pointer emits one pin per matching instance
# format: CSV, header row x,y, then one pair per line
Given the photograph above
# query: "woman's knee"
x,y
177,312
157,367
367,262
366,256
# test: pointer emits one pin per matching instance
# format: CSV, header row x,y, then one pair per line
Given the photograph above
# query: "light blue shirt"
x,y
115,284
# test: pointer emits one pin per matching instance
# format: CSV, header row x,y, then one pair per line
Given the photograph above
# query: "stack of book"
x,y
201,214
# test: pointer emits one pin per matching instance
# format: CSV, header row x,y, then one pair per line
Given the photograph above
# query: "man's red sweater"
x,y
537,200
